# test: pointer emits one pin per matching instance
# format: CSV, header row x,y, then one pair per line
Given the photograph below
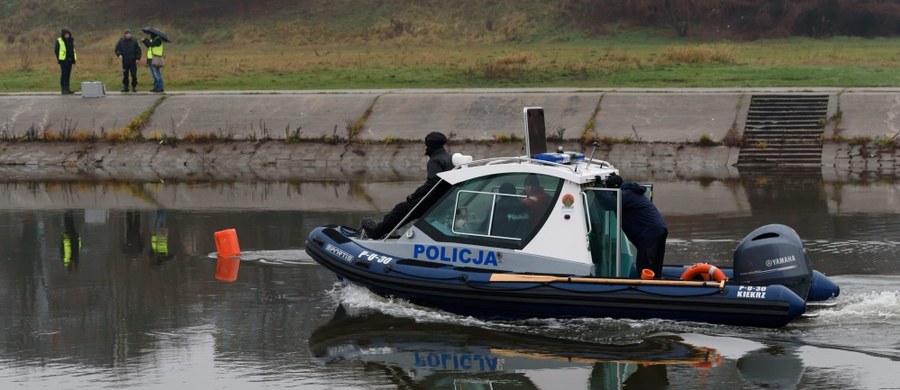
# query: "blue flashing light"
x,y
560,158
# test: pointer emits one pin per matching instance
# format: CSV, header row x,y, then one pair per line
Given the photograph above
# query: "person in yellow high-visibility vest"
x,y
71,242
159,243
154,49
159,238
65,55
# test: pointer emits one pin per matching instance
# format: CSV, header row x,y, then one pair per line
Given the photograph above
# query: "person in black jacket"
x,y
509,213
65,56
129,52
438,161
642,223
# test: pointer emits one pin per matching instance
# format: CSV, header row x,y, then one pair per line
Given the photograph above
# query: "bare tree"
x,y
680,13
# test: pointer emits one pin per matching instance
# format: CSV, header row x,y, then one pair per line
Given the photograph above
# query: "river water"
x,y
118,311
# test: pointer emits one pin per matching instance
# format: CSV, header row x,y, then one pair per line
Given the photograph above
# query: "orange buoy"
x,y
227,268
227,243
647,273
704,270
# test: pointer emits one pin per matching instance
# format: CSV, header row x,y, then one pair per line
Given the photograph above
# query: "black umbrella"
x,y
156,31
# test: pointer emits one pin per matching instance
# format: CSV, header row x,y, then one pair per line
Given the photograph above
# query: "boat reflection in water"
x,y
440,355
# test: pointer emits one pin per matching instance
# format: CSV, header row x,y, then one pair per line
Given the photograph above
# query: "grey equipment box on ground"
x,y
93,89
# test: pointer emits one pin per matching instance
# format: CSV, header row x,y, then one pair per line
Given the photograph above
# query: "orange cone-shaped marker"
x,y
227,268
647,273
227,243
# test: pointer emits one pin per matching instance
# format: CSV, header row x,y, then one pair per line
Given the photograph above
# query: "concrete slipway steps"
x,y
784,130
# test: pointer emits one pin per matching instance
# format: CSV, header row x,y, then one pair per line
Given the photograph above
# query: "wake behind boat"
x,y
476,251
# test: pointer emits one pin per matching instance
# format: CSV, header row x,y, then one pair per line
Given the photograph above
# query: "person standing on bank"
x,y
129,52
65,55
155,49
438,161
642,223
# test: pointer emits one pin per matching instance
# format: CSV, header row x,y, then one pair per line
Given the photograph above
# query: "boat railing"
x,y
524,159
601,163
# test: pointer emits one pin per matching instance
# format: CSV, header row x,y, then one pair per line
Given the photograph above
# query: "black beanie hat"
x,y
435,140
613,181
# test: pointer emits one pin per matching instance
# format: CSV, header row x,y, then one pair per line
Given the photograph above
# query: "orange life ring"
x,y
705,271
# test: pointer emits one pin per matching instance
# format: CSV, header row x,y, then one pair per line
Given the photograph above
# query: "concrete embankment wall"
x,y
680,115
664,123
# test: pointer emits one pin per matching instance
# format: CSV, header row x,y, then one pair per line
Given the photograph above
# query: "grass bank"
x,y
634,59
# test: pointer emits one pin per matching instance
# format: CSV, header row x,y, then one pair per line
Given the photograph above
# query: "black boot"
x,y
371,229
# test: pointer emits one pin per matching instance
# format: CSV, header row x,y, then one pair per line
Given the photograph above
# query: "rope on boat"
x,y
488,288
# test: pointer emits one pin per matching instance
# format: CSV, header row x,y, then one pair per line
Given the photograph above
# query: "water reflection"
x,y
133,242
227,268
71,242
441,355
159,239
115,286
123,319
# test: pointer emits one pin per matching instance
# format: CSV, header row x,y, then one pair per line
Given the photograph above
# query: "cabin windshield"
x,y
503,210
611,252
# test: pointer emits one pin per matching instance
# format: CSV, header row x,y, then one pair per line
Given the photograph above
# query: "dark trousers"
x,y
392,219
65,73
126,69
651,253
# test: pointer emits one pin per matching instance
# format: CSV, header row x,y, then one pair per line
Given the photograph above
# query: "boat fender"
x,y
704,270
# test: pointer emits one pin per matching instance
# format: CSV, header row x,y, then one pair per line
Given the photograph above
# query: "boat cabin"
x,y
548,214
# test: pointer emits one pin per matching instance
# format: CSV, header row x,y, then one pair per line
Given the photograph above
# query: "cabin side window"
x,y
500,210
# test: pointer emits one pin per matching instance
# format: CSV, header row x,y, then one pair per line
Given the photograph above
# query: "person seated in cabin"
x,y
460,219
536,200
642,223
509,212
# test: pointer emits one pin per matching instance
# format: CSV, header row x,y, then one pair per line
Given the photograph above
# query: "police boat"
x,y
475,246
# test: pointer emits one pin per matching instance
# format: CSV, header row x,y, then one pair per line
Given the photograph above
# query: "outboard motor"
x,y
773,254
